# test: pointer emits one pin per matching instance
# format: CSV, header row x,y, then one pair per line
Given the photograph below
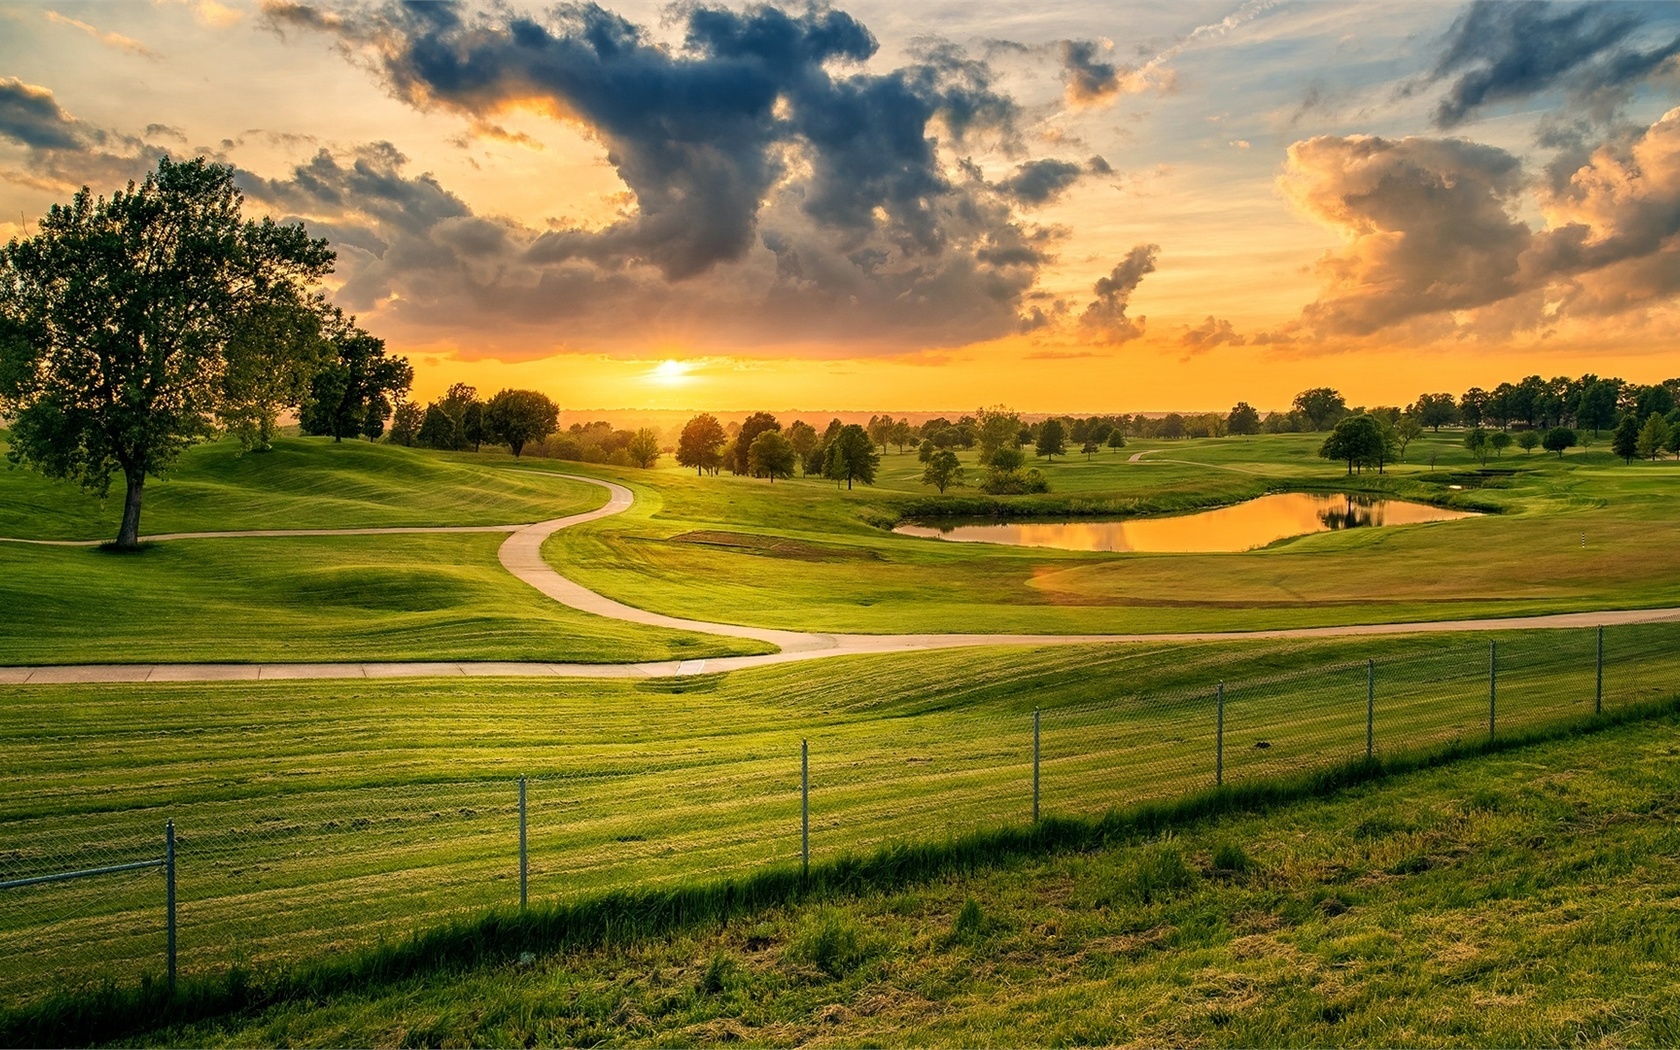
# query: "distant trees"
x,y
273,352
1406,431
1321,406
1652,440
943,470
1435,411
643,449
514,417
754,425
771,455
454,421
803,436
1052,440
1624,442
1597,405
852,457
1557,439
352,395
1243,420
1362,441
997,427
117,317
701,444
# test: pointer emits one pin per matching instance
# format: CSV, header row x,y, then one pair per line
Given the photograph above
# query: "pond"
x,y
1257,523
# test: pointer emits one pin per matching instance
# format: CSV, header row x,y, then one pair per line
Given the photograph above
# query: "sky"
x,y
916,205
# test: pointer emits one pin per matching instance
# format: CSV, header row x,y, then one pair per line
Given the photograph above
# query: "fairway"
x,y
322,817
673,552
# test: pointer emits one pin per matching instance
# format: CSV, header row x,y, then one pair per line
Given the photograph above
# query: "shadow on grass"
x,y
500,936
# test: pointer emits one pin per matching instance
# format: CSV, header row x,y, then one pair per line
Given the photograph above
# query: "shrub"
x,y
1014,482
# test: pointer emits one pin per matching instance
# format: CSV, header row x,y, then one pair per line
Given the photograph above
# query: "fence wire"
x,y
303,864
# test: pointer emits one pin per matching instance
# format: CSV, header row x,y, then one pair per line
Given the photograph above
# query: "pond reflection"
x,y
1257,523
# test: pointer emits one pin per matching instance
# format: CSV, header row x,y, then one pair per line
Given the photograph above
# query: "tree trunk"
x,y
128,536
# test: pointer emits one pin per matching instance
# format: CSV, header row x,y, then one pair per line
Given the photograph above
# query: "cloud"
x,y
1506,52
1210,333
1090,80
776,190
1426,224
112,40
30,115
1106,316
1433,236
1042,181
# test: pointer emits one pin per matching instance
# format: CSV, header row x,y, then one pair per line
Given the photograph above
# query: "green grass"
x,y
318,818
338,598
1519,898
303,483
844,573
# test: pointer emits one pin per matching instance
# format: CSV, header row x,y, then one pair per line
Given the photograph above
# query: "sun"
x,y
670,372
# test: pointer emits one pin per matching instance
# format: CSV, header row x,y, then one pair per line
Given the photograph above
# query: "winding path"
x,y
521,555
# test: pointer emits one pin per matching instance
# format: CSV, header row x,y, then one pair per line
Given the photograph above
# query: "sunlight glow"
x,y
670,372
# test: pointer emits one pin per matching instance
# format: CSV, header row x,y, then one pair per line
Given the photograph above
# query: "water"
x,y
1246,526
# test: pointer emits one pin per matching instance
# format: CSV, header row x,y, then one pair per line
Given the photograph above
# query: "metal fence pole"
x,y
1598,687
1370,708
169,895
1493,684
1219,739
524,853
805,808
1035,765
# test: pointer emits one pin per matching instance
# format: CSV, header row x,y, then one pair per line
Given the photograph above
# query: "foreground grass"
x,y
319,818
1522,898
692,547
401,597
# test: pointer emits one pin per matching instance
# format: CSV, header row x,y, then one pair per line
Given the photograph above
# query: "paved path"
x,y
521,555
393,530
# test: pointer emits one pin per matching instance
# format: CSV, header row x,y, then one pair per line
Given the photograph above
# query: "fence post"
x,y
805,809
1370,708
1219,739
1035,765
524,854
1598,687
1493,684
169,895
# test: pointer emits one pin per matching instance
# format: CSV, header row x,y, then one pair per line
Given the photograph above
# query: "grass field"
x,y
403,597
844,573
1521,899
316,818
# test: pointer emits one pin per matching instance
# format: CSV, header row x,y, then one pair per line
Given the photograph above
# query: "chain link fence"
x,y
291,867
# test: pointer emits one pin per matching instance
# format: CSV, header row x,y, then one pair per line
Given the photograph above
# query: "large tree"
x,y
1243,420
1435,411
772,456
1557,439
1597,407
643,449
852,457
115,321
1360,441
1052,439
943,470
701,444
754,425
514,417
356,391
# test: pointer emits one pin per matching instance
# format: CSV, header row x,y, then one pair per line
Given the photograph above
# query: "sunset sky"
x,y
917,205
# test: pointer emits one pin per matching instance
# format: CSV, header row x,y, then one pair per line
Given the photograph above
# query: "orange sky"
x,y
1073,207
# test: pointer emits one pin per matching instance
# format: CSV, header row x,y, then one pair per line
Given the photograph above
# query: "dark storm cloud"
x,y
1502,52
777,186
1106,315
1089,79
31,115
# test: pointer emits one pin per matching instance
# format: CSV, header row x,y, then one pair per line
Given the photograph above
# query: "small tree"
x,y
353,394
701,444
1499,441
1116,439
275,350
1408,430
1007,458
405,424
1653,437
1089,448
852,457
514,417
943,471
1557,439
1476,440
1357,440
1528,441
1624,442
772,456
115,321
754,425
643,449
924,454
804,438
1052,440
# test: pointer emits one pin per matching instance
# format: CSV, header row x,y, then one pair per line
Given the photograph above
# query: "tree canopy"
x,y
852,457
353,394
1362,441
514,417
771,455
943,470
116,320
701,444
